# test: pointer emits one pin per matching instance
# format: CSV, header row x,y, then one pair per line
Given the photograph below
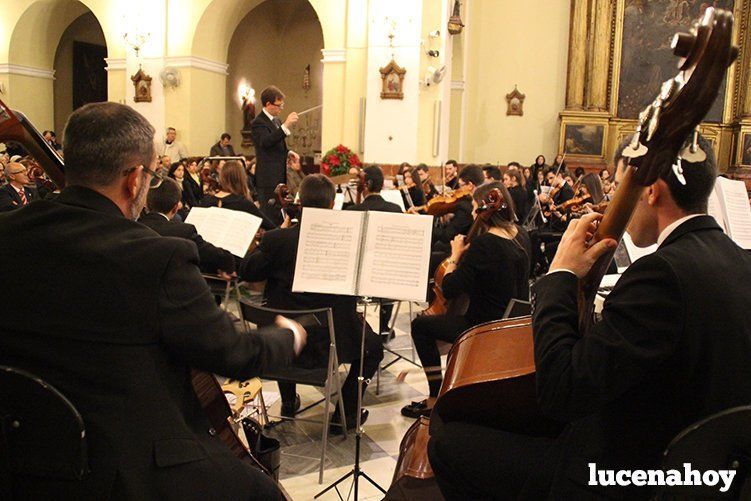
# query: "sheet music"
x,y
737,211
396,256
229,229
328,251
393,196
714,209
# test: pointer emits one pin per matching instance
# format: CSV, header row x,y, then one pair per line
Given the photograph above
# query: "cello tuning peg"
x,y
678,171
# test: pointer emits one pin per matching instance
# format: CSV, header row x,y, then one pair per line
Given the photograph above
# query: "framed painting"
x,y
584,140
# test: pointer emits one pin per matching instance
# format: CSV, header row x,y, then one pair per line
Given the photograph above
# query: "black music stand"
x,y
356,472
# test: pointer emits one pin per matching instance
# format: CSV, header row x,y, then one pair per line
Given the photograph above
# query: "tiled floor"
x,y
301,441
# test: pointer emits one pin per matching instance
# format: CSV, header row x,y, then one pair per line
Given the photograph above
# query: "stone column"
x,y
577,59
598,64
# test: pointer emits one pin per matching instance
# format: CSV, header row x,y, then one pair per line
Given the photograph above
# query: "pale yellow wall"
x,y
84,29
524,43
32,96
272,46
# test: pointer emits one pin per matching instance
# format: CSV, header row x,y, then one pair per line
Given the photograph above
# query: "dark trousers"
x,y
426,330
273,212
475,462
373,357
385,317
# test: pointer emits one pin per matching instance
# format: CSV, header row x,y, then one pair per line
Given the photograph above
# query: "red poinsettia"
x,y
339,160
341,148
325,169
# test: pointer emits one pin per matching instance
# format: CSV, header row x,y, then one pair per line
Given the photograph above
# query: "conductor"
x,y
269,135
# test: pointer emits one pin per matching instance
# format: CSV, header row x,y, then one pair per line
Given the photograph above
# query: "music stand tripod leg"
x,y
356,472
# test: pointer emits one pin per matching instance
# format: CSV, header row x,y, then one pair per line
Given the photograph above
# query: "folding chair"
x,y
41,432
326,377
223,288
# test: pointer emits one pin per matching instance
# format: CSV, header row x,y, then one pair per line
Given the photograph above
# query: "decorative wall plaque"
x,y
392,76
515,103
142,84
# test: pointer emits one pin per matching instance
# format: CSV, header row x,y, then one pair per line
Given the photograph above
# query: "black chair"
x,y
325,376
719,442
41,432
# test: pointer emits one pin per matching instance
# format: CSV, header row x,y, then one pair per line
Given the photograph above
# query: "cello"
x,y
490,377
16,127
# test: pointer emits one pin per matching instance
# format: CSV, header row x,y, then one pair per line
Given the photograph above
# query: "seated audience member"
x,y
192,184
234,193
122,318
559,162
165,162
3,181
672,348
17,192
491,270
163,203
177,172
274,261
492,173
51,138
452,168
223,148
578,172
514,166
295,173
372,200
512,179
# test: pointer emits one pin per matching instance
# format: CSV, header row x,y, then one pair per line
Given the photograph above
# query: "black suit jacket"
x,y
274,261
673,346
9,199
459,224
271,152
119,316
376,203
192,191
211,258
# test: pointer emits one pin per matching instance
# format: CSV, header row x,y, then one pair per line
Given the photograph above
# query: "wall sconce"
x,y
136,40
455,25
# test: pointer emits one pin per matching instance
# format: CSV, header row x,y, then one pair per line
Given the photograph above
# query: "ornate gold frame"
x,y
589,34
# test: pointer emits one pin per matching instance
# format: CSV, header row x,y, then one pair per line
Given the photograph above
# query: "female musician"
x,y
177,172
512,179
412,182
234,194
492,271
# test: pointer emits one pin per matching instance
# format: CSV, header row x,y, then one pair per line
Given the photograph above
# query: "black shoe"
x,y
335,427
417,409
290,411
388,336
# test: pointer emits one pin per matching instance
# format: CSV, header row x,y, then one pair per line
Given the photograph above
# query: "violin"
x,y
490,375
210,179
290,205
440,205
440,305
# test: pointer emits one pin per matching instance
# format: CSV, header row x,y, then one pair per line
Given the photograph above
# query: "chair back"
x,y
263,316
720,442
42,433
518,308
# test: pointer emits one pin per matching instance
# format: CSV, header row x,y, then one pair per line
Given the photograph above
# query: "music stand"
x,y
356,472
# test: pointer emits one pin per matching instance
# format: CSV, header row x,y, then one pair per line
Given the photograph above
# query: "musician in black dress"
x,y
234,193
491,271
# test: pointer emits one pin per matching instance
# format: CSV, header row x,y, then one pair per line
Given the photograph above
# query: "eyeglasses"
x,y
156,177
279,105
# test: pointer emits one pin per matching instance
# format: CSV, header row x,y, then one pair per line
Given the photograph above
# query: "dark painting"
x,y
746,156
646,60
89,74
583,139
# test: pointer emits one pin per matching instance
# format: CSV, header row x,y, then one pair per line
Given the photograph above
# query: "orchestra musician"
x,y
493,271
672,348
234,193
451,167
428,188
372,200
163,202
123,316
274,261
414,189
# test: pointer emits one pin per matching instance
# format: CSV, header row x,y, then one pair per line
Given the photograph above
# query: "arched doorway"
x,y
80,74
278,43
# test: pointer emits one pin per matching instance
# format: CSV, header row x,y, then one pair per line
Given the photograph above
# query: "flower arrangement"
x,y
338,161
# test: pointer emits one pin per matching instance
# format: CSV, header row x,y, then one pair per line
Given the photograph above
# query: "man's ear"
x,y
133,181
655,192
176,208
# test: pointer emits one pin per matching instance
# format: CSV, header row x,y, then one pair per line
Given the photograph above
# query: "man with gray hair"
x,y
123,317
171,147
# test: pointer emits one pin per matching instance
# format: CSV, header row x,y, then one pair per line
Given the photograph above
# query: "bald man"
x,y
16,193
